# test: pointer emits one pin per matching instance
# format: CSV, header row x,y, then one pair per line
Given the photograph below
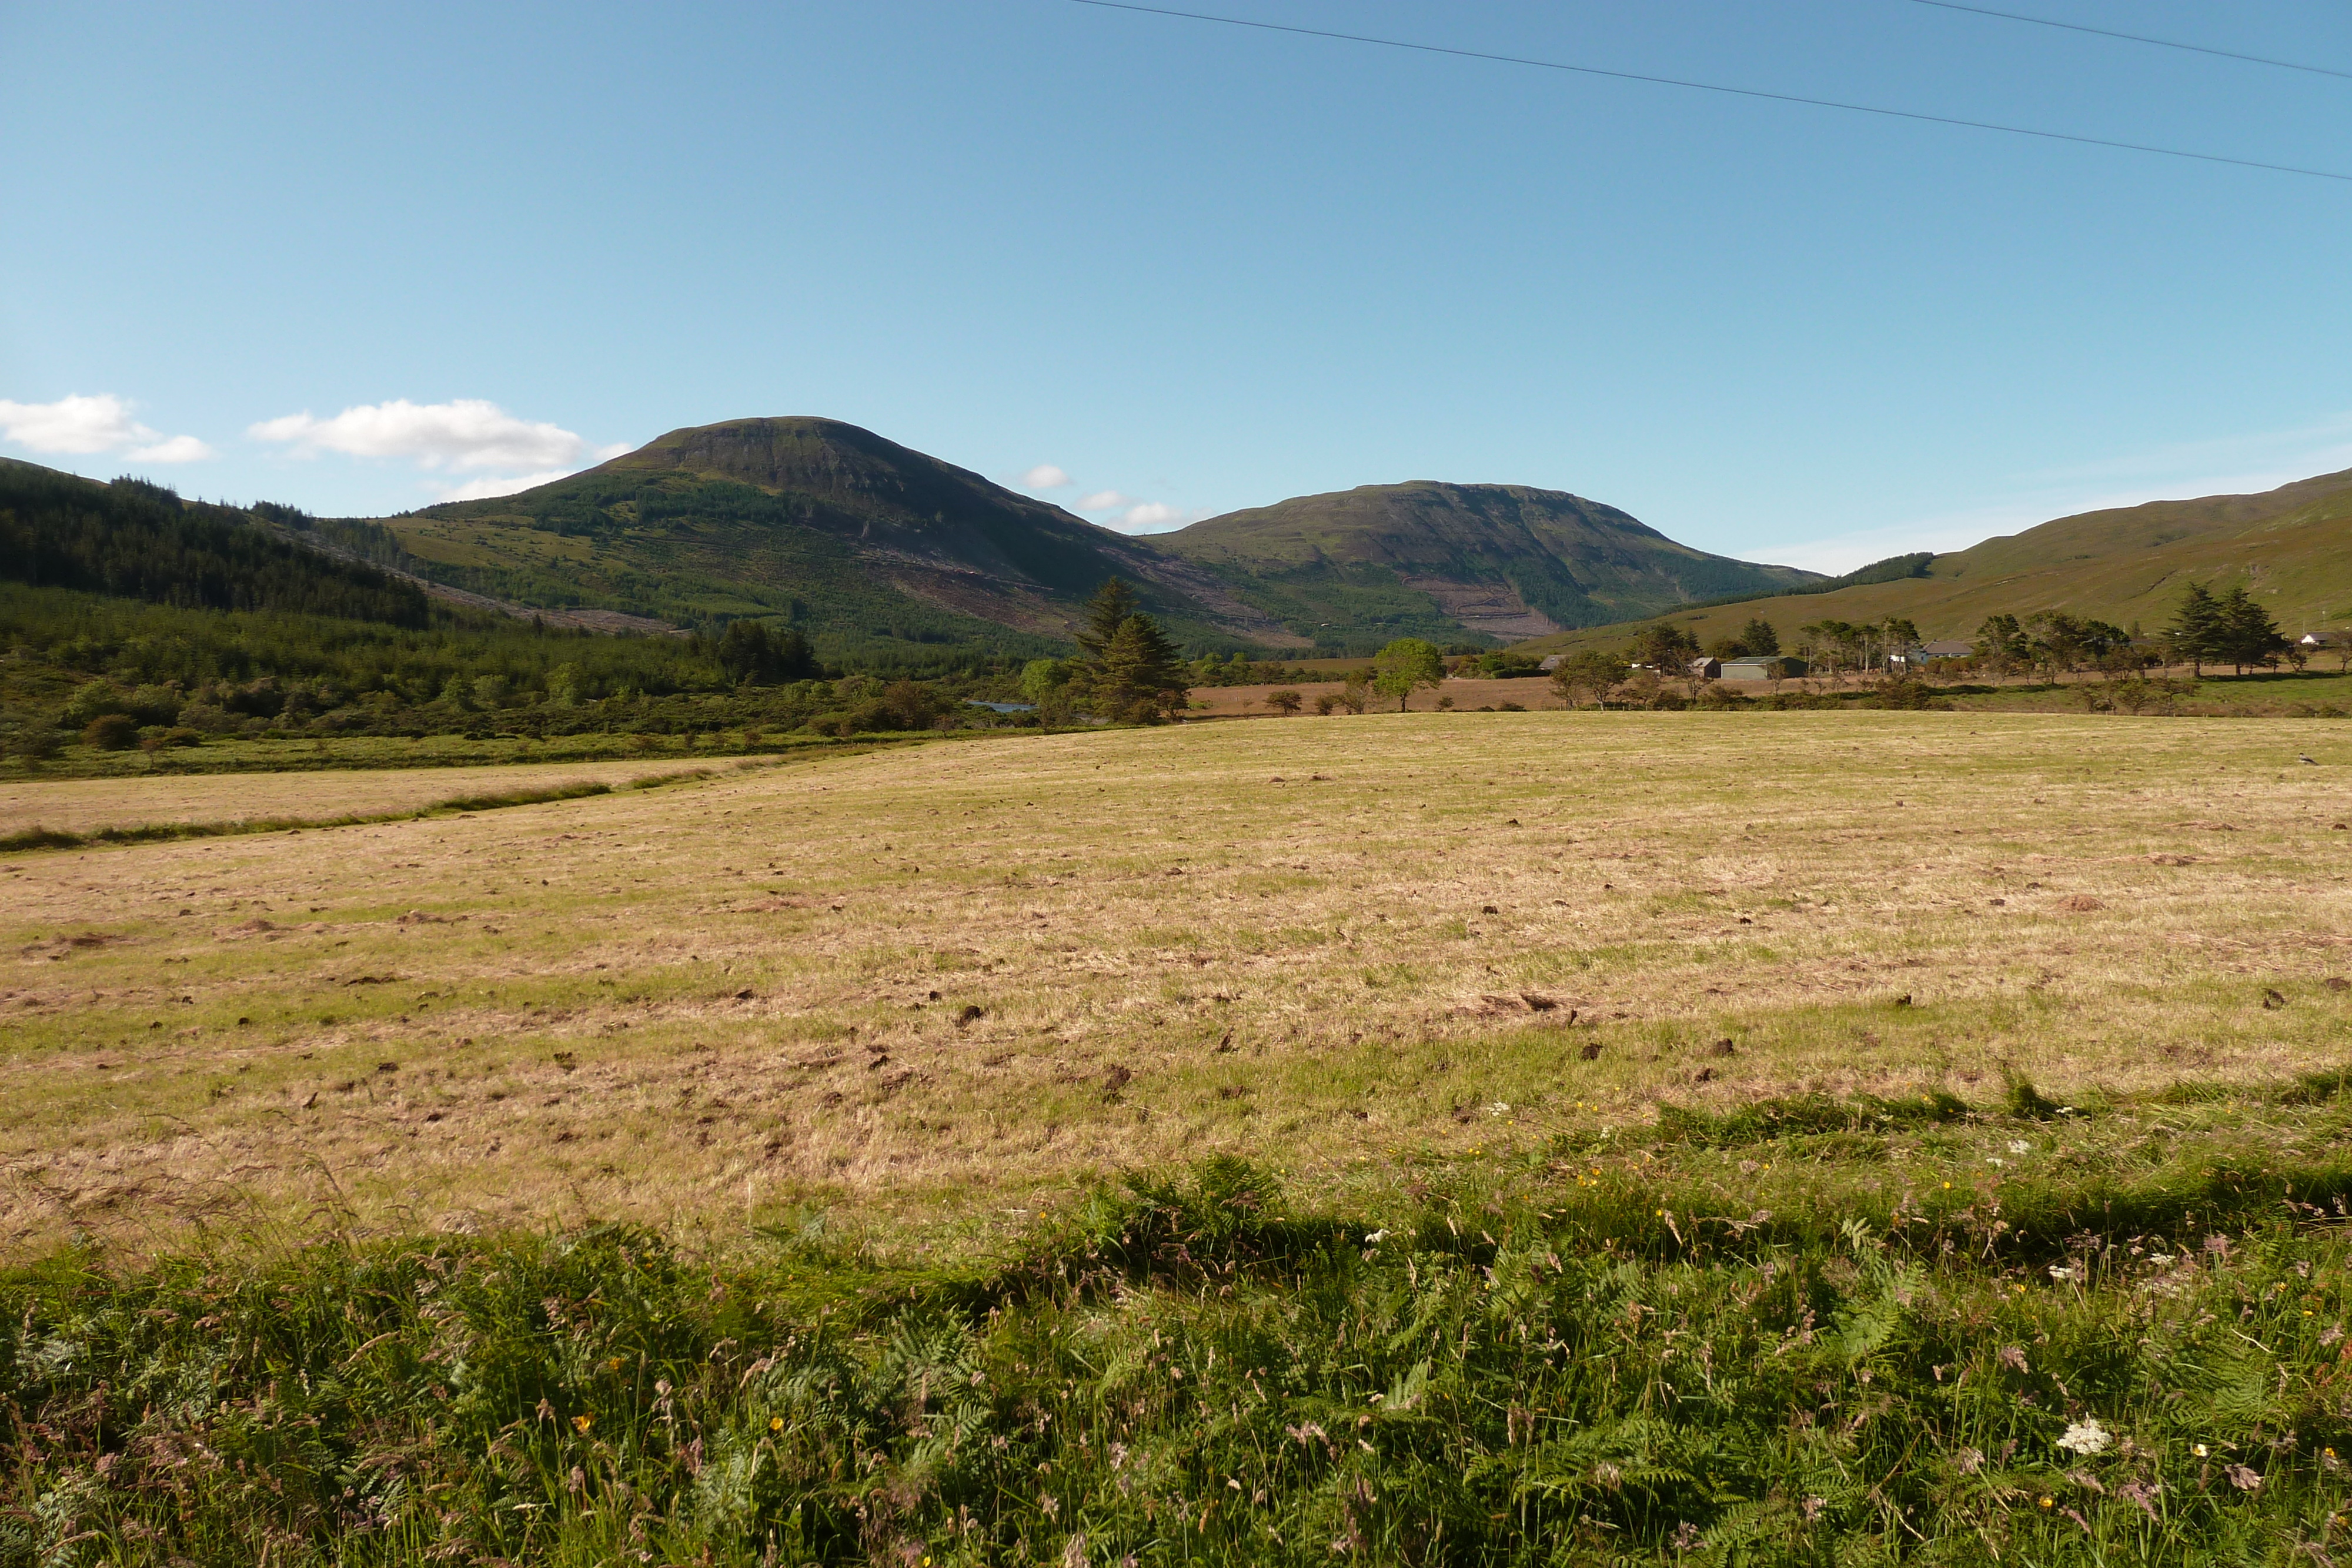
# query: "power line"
x,y
1717,87
2138,38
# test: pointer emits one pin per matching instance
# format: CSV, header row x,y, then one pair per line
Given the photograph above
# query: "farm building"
x,y
1762,669
1707,669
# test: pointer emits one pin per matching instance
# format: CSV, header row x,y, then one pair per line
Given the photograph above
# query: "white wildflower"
x,y
1499,1108
2159,1259
2087,1437
2020,1146
1376,1237
2060,1273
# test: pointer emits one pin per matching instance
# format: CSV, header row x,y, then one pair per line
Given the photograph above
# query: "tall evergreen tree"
x,y
1107,611
2196,634
2247,633
1759,638
1139,666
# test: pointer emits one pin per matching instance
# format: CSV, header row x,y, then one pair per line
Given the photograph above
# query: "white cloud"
x,y
1154,518
490,485
469,435
178,449
1103,501
1045,477
85,425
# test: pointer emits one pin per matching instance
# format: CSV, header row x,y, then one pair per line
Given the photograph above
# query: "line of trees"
x,y
2052,642
1836,645
2225,628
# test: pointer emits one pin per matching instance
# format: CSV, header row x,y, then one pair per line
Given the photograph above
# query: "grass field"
x,y
87,805
346,754
1004,966
1672,1137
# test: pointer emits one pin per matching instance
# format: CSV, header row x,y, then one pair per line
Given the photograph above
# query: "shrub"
x,y
111,732
34,743
1907,693
1286,702
905,704
208,719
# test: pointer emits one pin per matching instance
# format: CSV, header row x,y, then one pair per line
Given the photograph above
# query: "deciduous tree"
x,y
1589,673
1406,666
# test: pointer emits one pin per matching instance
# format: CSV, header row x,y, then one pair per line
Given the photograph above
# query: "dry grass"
x,y
86,805
944,981
1467,696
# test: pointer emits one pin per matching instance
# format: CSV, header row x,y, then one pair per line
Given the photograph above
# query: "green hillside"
x,y
131,618
881,554
1481,562
873,549
2291,546
135,541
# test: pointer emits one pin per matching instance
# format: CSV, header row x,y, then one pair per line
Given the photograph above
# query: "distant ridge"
x,y
2292,548
1501,562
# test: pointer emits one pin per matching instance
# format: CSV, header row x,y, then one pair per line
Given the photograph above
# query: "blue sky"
x,y
359,257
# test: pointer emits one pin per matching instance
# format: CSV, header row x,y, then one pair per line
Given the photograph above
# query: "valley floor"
x,y
1483,1138
948,982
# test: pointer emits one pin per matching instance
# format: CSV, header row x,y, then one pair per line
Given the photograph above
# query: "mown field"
x,y
90,805
1545,1137
235,759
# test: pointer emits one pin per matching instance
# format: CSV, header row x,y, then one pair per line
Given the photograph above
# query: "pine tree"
x,y
2195,633
1759,638
1138,666
1107,611
2247,633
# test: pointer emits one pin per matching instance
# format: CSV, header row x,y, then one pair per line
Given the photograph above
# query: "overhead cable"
x,y
2136,38
1720,88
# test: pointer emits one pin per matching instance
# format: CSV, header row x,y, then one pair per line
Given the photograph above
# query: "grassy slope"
x,y
2292,546
1346,558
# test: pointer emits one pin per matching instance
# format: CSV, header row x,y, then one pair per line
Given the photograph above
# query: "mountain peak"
x,y
796,452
